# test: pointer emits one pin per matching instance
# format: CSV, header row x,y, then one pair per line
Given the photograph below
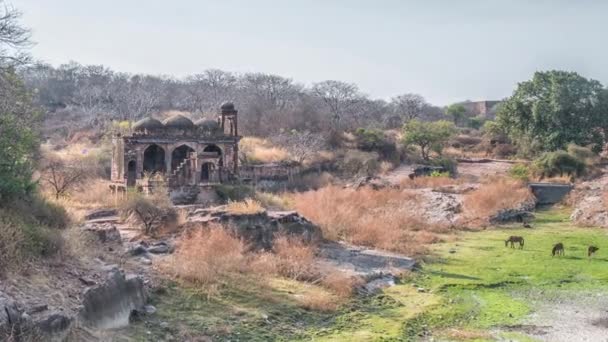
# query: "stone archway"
x,y
207,170
216,149
154,159
131,173
180,154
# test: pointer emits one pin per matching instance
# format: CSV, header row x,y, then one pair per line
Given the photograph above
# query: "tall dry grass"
x,y
493,195
208,257
248,206
213,257
260,151
367,217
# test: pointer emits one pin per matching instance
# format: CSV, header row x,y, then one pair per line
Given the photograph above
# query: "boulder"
x,y
100,213
258,229
105,232
160,248
109,306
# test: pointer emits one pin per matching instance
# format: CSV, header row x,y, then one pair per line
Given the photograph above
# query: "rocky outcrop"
x,y
549,193
110,305
258,229
105,232
522,213
590,206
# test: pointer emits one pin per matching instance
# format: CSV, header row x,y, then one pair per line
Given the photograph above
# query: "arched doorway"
x,y
131,173
216,149
207,171
179,155
154,159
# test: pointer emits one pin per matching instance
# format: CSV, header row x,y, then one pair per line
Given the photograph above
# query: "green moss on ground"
x,y
474,289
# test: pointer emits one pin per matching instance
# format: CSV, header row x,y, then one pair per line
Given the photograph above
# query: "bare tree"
x,y
151,212
340,98
408,106
300,145
14,38
62,177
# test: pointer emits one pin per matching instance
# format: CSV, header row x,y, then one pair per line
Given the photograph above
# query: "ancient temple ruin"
x,y
178,152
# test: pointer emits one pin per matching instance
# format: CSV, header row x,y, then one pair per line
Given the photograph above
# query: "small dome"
x,y
147,123
178,121
228,107
208,124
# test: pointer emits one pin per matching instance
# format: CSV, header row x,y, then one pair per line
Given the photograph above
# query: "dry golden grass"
x,y
319,301
259,151
428,182
207,257
367,217
466,335
340,283
494,195
295,259
248,206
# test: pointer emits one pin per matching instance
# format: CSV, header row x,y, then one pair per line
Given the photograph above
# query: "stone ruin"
x,y
178,152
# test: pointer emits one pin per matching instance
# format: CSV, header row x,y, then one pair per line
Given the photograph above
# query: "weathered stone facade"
x,y
181,152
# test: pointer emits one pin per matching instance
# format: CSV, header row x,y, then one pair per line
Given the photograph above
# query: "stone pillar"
x,y
168,153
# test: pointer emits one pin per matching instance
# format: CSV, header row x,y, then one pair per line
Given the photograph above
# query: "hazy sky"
x,y
445,50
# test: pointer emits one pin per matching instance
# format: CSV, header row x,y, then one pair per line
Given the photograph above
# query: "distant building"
x,y
178,151
485,109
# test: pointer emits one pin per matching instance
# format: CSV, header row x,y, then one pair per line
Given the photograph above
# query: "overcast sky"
x,y
445,50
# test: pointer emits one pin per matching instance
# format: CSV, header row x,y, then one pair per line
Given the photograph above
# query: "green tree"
x,y
456,111
18,117
556,108
428,136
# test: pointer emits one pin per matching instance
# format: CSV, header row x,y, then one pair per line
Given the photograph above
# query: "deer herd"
x,y
558,248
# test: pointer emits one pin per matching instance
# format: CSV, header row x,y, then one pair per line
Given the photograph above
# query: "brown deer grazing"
x,y
591,250
515,239
558,249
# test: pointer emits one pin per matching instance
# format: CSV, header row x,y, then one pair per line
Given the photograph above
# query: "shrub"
x,y
152,212
447,163
238,192
494,195
295,259
504,150
248,206
23,237
374,140
551,164
208,256
581,153
360,163
428,136
520,172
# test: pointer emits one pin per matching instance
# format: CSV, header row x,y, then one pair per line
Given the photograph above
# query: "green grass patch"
x,y
474,289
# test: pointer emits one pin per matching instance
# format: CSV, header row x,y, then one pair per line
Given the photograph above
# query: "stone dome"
x,y
207,124
147,124
178,121
227,107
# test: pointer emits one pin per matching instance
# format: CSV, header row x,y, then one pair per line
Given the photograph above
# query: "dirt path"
x,y
584,318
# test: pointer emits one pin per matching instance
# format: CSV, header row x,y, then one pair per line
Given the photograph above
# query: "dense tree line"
x,y
90,95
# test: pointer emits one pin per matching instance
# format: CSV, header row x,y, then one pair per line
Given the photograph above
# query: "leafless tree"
x,y
300,145
408,106
151,212
14,38
339,97
62,177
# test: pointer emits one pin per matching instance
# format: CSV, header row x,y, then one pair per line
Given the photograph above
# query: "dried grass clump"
x,y
340,283
494,195
295,259
319,301
385,219
259,151
248,206
208,257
